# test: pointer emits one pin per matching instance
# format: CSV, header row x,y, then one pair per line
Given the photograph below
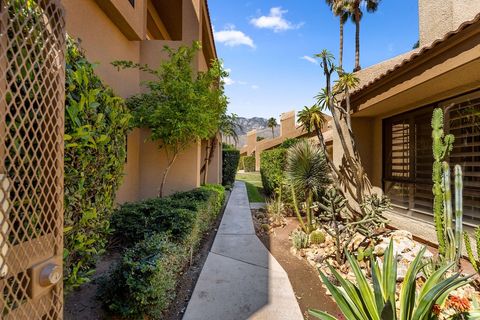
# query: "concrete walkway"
x,y
241,279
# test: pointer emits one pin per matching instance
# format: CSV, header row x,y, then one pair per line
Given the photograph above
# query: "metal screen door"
x,y
32,95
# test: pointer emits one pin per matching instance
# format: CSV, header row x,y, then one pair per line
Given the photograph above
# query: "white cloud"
x,y
232,38
309,59
228,81
255,87
274,21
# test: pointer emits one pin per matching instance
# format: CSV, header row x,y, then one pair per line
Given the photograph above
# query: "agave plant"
x,y
361,301
307,174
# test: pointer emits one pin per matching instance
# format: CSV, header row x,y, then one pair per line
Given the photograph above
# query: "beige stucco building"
x,y
288,130
137,30
394,104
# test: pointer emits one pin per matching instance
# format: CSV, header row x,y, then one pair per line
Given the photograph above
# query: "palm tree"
x,y
345,84
372,6
229,126
272,124
341,9
313,119
307,174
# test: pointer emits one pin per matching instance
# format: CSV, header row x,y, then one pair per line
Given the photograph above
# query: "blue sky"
x,y
263,44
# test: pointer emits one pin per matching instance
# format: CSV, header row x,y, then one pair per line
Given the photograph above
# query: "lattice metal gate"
x,y
32,76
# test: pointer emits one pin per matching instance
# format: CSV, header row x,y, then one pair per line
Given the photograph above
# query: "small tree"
x,y
180,107
272,124
350,175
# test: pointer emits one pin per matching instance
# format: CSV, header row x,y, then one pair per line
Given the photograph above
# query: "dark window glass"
x,y
407,170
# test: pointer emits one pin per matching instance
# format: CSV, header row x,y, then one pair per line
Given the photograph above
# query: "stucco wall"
x,y
103,43
436,18
184,174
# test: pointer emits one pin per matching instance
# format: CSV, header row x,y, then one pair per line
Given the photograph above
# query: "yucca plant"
x,y
361,301
307,174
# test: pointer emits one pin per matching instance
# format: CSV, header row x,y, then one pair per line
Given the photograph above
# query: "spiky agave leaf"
x,y
307,168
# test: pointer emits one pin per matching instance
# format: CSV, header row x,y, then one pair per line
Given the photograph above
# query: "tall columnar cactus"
x,y
442,146
474,260
452,238
448,237
458,211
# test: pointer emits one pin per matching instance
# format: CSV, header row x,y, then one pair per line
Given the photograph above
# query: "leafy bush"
x,y
136,221
144,281
247,163
230,164
96,123
175,215
227,146
289,142
272,167
161,233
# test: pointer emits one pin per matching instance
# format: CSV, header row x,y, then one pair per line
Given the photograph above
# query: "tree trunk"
x,y
357,38
165,174
273,133
207,162
209,155
354,165
340,58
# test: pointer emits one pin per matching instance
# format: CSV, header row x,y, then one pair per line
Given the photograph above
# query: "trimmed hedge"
x,y
272,168
230,165
159,247
247,163
144,281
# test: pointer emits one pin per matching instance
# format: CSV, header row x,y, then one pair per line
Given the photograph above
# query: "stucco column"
x,y
251,142
287,123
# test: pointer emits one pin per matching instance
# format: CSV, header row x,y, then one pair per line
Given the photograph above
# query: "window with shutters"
x,y
407,170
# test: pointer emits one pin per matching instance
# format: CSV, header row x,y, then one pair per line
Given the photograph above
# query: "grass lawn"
x,y
253,182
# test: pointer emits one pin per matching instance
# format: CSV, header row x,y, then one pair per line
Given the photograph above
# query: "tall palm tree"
x,y
272,124
372,6
341,9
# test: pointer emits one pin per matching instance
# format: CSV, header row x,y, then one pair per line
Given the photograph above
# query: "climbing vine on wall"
x,y
96,124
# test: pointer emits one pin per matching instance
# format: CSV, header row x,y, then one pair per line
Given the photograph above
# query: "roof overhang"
x,y
447,67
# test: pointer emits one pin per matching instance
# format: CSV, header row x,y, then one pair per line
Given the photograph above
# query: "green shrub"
x,y
162,233
96,124
317,237
134,222
289,142
144,281
227,146
175,215
230,164
272,167
247,163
